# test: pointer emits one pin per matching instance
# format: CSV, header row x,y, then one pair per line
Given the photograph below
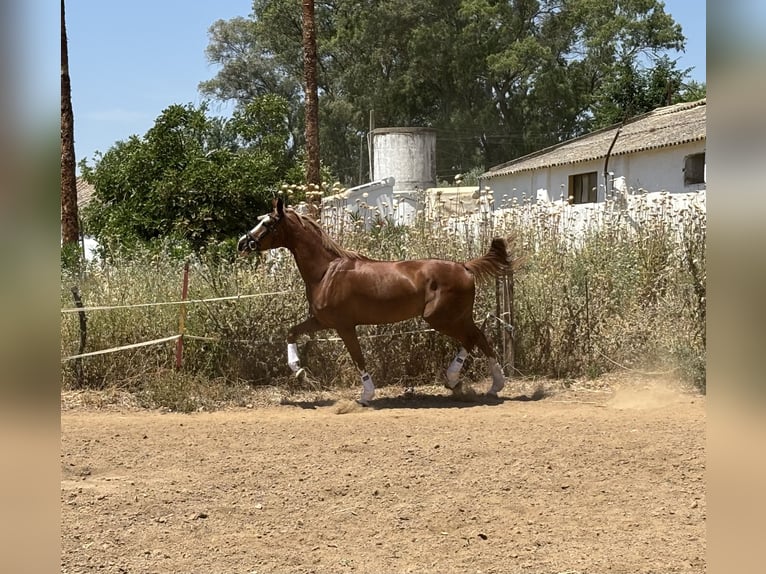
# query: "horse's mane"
x,y
328,242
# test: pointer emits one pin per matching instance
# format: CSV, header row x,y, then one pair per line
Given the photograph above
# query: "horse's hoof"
x,y
363,402
300,374
457,390
450,383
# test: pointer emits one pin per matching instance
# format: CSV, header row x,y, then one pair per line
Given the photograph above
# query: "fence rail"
x,y
122,348
179,302
183,335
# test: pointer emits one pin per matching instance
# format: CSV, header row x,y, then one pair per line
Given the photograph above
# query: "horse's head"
x,y
267,234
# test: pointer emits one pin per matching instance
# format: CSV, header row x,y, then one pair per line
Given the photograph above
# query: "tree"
x,y
497,79
632,90
264,55
190,177
256,59
70,225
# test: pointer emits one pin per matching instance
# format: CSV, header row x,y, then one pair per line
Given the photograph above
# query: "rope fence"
x,y
219,340
179,302
319,339
182,335
122,348
178,338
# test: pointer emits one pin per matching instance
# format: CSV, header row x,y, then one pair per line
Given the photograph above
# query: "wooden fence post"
x,y
504,319
509,333
182,318
499,305
79,372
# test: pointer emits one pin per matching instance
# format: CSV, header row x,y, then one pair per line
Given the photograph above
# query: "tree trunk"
x,y
70,227
312,104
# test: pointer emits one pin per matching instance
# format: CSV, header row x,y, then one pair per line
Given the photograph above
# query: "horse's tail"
x,y
497,261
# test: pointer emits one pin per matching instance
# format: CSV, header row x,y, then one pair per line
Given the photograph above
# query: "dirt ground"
x,y
606,477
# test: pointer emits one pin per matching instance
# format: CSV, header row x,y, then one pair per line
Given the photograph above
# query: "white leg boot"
x,y
453,371
368,389
292,360
498,380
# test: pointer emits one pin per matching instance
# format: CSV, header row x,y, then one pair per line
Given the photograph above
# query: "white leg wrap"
x,y
453,371
368,389
292,357
498,380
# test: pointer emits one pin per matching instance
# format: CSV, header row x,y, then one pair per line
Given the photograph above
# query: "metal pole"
x,y
361,152
370,145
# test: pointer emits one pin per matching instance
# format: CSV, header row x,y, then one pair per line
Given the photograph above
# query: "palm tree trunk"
x,y
312,99
70,227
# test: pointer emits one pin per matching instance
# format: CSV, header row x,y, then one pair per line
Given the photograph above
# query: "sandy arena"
x,y
609,478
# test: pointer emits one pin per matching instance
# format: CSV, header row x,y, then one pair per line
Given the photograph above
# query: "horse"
x,y
345,289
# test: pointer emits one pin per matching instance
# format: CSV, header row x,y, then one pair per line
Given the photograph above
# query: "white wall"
x,y
662,170
652,170
367,201
572,221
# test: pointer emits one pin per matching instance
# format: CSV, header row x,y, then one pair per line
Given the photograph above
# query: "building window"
x,y
582,188
694,169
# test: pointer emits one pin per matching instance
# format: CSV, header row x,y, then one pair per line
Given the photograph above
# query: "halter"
x,y
266,222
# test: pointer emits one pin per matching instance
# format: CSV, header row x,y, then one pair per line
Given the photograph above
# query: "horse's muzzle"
x,y
246,244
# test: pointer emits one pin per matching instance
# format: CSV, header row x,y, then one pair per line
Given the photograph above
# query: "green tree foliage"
x,y
497,79
191,177
631,91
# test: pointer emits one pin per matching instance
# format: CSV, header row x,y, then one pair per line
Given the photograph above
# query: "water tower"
x,y
406,154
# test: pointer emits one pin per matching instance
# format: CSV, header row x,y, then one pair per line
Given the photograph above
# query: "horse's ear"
x,y
280,205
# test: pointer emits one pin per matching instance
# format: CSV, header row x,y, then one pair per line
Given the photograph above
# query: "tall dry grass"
x,y
627,293
622,288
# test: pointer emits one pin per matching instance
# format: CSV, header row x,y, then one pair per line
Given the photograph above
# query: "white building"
x,y
367,203
663,150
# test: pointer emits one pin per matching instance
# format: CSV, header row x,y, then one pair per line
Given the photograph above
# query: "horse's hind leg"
x,y
355,350
308,326
498,379
470,336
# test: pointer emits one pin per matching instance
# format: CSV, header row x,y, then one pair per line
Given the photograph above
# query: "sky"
x,y
128,61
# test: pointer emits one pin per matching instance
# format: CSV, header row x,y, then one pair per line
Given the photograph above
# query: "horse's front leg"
x,y
310,325
355,350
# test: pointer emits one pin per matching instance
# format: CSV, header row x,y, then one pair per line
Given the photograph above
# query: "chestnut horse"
x,y
346,289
